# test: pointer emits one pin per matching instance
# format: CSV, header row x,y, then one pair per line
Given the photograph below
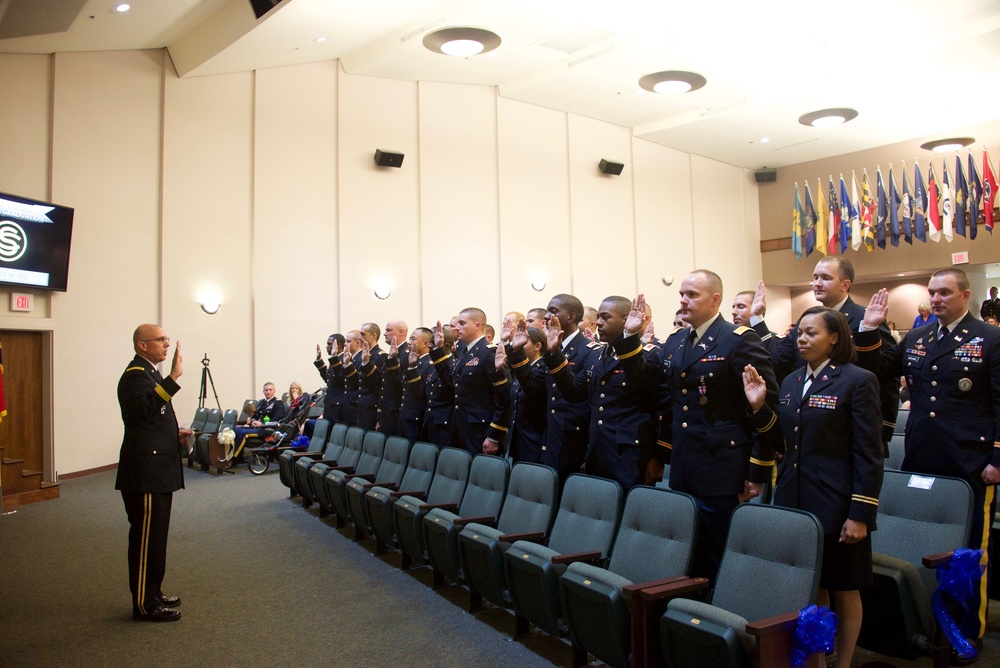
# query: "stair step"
x,y
28,474
11,460
46,484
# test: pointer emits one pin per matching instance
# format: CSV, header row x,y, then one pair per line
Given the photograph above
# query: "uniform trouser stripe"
x,y
147,506
984,560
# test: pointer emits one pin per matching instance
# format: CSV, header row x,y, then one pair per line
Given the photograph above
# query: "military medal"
x,y
965,384
702,389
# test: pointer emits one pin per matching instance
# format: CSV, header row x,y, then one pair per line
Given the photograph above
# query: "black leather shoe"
x,y
169,601
159,614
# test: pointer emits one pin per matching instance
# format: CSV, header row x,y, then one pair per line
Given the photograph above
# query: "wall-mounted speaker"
x,y
765,175
261,7
388,158
608,167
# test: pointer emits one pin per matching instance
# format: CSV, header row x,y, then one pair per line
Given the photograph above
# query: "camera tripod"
x,y
206,380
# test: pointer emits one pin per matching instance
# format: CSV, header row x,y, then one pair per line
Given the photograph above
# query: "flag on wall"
x,y
821,217
947,205
893,206
961,195
883,211
919,204
3,400
975,195
797,217
933,207
855,213
833,222
845,216
810,223
868,214
906,208
989,191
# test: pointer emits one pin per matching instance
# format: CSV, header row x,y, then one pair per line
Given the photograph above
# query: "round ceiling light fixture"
x,y
462,42
947,145
672,82
825,118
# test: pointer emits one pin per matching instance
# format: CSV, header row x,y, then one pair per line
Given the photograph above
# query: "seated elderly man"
x,y
269,409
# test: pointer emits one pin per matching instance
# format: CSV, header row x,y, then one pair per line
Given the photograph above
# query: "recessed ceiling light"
x,y
946,145
462,42
764,140
825,118
121,7
901,274
320,40
672,82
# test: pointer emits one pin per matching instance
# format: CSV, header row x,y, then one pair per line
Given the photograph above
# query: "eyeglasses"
x,y
162,339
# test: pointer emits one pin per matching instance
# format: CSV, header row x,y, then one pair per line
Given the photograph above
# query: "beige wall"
x,y
261,188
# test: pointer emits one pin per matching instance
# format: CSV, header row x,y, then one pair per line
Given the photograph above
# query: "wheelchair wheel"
x,y
258,463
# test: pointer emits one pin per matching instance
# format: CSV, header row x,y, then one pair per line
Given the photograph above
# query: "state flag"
x,y
845,216
961,194
810,223
883,211
893,207
975,197
822,214
933,205
919,204
797,216
989,191
947,205
854,210
833,222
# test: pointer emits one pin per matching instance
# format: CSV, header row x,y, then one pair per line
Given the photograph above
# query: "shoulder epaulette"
x,y
134,368
742,329
491,345
650,346
595,344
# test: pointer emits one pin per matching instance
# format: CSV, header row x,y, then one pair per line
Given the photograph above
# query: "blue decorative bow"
x,y
816,631
300,441
957,578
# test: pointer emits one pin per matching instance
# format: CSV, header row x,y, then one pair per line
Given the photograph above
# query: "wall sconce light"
x,y
210,307
538,282
382,290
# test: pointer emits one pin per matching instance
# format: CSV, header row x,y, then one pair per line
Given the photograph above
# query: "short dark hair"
x,y
622,305
339,338
961,277
572,304
371,329
844,266
835,323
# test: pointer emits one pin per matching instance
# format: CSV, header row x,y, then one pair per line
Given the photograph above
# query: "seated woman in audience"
x,y
924,315
830,417
298,405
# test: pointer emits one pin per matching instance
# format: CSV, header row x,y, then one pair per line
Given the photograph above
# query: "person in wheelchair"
x,y
268,410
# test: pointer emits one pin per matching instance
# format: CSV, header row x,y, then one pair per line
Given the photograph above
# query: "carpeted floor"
x,y
263,583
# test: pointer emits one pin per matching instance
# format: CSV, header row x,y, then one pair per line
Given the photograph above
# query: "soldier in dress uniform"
x,y
482,394
418,369
349,367
336,394
391,396
623,415
440,389
528,401
718,453
369,376
149,469
991,306
952,370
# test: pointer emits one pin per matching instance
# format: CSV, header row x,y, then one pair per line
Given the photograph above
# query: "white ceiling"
x,y
913,69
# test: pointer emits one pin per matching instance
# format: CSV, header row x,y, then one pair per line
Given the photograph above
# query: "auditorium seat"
x,y
896,451
349,456
212,424
483,500
210,452
197,426
918,516
446,490
390,472
303,461
602,607
529,508
245,411
416,481
585,527
901,417
769,572
286,461
367,465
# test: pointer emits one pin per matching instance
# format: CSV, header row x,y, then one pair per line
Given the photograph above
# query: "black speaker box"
x,y
765,175
608,167
388,158
261,7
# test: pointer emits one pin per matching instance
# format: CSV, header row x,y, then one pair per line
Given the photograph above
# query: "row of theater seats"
x,y
611,571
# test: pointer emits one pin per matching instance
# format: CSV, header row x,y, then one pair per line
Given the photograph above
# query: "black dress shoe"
x,y
159,614
169,601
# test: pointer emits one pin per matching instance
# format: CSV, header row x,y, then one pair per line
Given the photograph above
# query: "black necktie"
x,y
692,337
942,334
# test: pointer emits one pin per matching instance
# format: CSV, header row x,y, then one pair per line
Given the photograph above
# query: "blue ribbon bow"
x,y
300,441
816,630
957,578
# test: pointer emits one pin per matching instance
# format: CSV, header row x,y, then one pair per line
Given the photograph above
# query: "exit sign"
x,y
20,301
960,258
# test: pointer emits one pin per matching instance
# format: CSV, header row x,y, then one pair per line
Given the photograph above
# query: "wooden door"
x,y
21,429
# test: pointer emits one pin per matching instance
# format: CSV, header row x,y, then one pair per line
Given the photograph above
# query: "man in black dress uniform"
x,y
991,306
149,469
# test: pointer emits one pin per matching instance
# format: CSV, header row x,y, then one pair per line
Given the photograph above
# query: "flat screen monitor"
x,y
34,243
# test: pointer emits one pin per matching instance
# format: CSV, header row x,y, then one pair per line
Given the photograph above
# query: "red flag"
x,y
933,205
989,191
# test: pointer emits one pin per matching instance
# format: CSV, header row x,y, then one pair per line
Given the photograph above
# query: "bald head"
x,y
151,342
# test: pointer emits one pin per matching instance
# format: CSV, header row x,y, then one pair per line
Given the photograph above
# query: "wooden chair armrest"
x,y
935,560
419,495
442,506
645,615
534,537
593,555
775,636
314,455
387,485
675,589
328,462
633,589
462,521
365,476
345,469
